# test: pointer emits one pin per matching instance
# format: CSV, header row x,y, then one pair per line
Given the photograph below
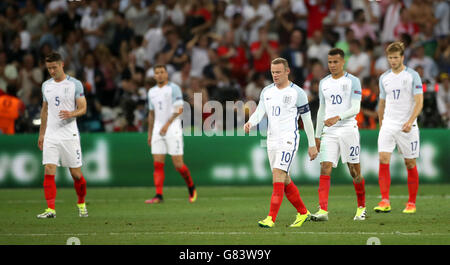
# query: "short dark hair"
x,y
53,57
337,51
160,66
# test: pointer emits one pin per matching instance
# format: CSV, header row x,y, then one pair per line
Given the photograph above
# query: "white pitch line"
x,y
398,233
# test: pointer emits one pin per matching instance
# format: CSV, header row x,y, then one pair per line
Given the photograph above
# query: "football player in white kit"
x,y
337,134
401,101
59,138
165,134
283,102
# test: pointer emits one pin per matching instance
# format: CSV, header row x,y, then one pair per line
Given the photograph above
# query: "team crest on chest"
x,y
344,87
287,99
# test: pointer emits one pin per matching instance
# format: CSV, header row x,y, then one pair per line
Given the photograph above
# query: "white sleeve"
x,y
309,128
320,113
258,114
353,110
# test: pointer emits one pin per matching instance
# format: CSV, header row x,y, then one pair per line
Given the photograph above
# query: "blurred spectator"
x,y
318,48
430,116
442,55
30,79
140,17
345,44
421,12
122,32
71,53
359,62
284,20
367,117
263,51
91,23
175,50
256,15
316,71
429,66
295,55
339,18
171,12
236,56
182,76
254,88
317,11
360,27
391,20
8,72
443,98
35,22
442,15
221,24
197,48
91,75
405,25
11,108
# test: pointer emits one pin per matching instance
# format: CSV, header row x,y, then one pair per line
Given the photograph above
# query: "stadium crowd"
x,y
220,48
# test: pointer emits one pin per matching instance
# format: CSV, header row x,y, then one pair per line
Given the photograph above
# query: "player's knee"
x,y
384,158
50,169
410,163
325,169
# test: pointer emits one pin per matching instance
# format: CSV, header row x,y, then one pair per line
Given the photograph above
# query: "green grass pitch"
x,y
221,216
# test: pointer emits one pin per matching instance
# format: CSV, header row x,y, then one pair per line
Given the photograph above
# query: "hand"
x,y
247,127
41,142
65,114
163,130
149,140
312,152
331,121
407,127
318,144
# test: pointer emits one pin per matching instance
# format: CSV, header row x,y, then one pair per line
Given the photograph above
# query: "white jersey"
x,y
163,101
337,95
61,96
398,90
283,107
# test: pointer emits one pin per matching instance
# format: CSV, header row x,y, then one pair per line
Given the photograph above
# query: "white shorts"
x,y
408,144
167,145
66,153
340,142
283,156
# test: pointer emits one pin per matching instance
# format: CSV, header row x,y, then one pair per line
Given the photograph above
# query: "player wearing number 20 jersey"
x,y
337,131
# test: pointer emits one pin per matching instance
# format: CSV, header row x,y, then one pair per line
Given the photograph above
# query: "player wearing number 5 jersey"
x,y
59,138
283,102
337,133
401,101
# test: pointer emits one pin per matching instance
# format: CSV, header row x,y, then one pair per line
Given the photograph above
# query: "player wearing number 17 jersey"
x,y
283,102
337,132
401,101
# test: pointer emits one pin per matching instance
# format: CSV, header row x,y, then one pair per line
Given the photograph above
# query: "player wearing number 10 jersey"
x,y
401,101
283,102
340,100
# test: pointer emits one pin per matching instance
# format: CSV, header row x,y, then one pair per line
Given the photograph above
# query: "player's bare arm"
x,y
332,121
44,114
151,121
164,129
318,144
80,111
418,99
381,106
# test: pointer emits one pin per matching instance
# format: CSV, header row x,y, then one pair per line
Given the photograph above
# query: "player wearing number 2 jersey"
x,y
337,132
165,135
283,102
59,139
401,101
